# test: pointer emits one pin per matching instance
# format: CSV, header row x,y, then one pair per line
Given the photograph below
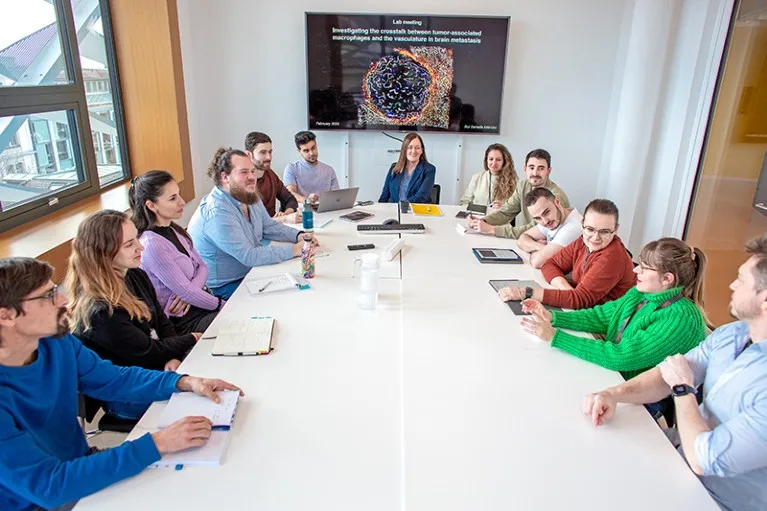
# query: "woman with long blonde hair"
x,y
411,177
494,185
114,308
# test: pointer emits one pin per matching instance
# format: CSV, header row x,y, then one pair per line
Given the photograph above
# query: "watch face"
x,y
682,390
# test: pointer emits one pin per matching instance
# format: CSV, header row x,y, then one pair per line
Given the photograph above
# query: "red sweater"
x,y
599,277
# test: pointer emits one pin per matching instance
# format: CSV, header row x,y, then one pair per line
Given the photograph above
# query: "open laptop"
x,y
334,200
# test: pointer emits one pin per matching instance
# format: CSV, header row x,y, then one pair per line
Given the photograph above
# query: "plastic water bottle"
x,y
307,258
307,217
368,297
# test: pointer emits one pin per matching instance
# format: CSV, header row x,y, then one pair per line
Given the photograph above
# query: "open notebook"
x,y
246,336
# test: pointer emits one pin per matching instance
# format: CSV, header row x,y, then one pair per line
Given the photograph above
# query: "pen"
x,y
221,428
265,286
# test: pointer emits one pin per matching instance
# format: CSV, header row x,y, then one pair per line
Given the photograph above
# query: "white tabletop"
x,y
435,401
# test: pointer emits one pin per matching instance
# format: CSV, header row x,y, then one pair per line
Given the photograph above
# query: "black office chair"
x,y
89,407
435,191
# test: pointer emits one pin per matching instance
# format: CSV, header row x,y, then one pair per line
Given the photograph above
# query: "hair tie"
x,y
692,253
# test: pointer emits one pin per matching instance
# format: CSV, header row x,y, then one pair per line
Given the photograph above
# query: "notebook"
x,y
185,404
241,337
284,282
210,453
516,307
497,255
426,209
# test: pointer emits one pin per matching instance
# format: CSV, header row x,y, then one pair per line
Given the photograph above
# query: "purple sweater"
x,y
173,273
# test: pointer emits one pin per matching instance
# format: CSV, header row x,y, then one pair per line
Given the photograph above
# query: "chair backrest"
x,y
435,191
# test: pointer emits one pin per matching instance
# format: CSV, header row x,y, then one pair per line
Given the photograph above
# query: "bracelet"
x,y
218,307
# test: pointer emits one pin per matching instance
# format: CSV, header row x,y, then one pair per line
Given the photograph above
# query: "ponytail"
x,y
685,263
694,290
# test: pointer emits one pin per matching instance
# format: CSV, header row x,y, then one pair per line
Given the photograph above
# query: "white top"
x,y
567,232
436,400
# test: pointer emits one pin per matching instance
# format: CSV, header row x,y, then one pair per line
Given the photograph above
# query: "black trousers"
x,y
196,320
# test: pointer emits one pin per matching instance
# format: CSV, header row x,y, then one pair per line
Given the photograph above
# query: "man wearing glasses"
x,y
599,266
44,459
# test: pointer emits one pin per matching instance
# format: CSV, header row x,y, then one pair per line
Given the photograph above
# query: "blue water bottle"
x,y
307,217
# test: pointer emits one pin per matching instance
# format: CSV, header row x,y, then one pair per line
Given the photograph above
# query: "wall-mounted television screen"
x,y
405,72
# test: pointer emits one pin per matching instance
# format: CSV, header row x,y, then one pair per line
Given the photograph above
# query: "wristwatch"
x,y
528,293
682,390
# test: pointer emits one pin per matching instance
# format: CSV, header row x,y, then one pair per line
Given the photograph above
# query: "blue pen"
x,y
221,428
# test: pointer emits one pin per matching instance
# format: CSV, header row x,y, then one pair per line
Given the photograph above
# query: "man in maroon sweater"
x,y
599,265
259,147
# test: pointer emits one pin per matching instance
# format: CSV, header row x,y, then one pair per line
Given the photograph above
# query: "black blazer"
x,y
129,342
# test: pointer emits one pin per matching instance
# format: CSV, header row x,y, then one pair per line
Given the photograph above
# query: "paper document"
x,y
186,404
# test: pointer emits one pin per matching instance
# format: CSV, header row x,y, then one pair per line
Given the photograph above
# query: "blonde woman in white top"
x,y
493,186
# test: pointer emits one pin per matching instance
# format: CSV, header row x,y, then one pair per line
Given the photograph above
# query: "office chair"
x,y
435,191
89,407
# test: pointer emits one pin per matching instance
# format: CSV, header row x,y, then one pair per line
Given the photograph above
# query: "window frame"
x,y
70,97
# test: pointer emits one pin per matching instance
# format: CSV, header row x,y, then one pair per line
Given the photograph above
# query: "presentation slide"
x,y
405,72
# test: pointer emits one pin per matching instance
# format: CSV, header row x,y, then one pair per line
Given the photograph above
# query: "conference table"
x,y
436,400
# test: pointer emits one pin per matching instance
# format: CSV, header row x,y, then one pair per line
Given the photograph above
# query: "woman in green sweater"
x,y
662,316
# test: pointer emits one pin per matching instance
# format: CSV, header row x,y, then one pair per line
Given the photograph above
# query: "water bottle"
x,y
368,264
307,258
307,217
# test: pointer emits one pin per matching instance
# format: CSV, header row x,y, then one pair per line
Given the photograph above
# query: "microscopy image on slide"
x,y
409,87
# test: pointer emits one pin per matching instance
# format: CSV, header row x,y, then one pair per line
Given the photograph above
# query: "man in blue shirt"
x,y
231,228
308,177
725,439
44,459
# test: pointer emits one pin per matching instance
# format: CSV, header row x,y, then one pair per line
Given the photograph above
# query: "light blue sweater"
x,y
230,244
42,446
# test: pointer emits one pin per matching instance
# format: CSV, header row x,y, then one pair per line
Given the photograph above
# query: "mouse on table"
x,y
391,221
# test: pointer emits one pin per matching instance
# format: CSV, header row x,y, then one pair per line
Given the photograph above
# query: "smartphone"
x,y
462,214
365,203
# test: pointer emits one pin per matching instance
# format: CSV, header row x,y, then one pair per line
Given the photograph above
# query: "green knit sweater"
x,y
650,336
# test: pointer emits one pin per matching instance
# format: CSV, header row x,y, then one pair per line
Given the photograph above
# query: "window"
x,y
58,83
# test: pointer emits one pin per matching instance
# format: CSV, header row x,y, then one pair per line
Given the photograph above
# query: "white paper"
x,y
270,284
186,404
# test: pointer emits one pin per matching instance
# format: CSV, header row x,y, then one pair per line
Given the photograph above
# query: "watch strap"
x,y
682,390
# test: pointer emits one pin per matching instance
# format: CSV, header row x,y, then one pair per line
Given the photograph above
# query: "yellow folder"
x,y
426,209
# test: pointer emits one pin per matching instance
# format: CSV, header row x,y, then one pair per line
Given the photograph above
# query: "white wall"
x,y
244,68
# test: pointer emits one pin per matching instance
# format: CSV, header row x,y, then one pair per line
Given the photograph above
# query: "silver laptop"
x,y
337,199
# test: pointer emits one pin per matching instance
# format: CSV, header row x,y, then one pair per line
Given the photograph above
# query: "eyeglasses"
x,y
645,268
590,231
50,295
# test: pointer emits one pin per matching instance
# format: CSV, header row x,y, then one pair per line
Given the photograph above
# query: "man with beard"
x,y
44,459
258,146
537,172
556,226
308,177
724,440
231,228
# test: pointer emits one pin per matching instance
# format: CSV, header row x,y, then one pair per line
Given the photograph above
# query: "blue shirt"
x,y
733,455
403,184
308,178
231,244
42,446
